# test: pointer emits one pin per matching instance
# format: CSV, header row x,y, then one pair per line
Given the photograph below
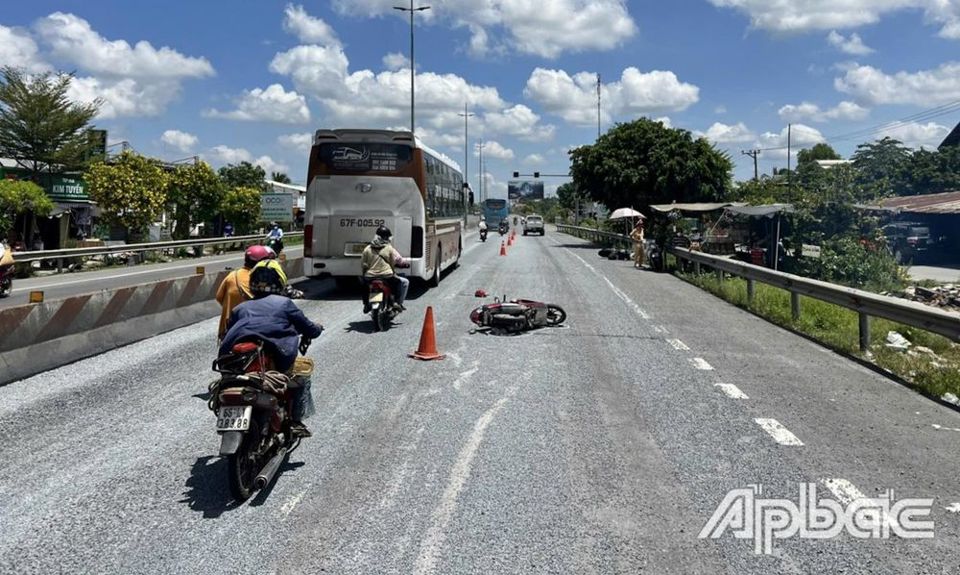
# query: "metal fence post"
x,y
696,268
864,332
795,306
750,291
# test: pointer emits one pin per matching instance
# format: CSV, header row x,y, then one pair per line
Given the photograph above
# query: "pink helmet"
x,y
255,254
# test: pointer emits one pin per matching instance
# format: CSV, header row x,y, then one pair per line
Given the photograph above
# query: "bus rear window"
x,y
365,157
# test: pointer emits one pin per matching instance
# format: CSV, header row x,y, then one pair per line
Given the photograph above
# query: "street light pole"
x,y
480,171
411,9
466,144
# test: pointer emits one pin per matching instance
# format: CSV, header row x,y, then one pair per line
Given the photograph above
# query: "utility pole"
x,y
753,154
789,173
480,171
598,105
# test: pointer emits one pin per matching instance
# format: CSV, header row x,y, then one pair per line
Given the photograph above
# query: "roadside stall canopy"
x,y
765,211
694,207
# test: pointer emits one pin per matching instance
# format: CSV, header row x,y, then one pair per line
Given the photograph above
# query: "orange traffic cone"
x,y
428,340
509,240
503,249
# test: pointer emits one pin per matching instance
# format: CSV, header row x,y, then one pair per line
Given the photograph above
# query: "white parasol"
x,y
620,213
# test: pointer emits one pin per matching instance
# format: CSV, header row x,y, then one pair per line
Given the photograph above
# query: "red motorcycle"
x,y
382,304
254,405
518,315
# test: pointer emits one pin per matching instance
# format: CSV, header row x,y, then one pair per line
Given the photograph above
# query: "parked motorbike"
x,y
654,256
518,315
6,271
383,305
254,407
483,235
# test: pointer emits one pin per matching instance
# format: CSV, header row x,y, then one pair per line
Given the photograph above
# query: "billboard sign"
x,y
276,207
525,190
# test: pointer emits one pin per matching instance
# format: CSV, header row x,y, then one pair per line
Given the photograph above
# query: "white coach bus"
x,y
358,180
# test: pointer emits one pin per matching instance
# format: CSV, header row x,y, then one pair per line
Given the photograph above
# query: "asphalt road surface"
x,y
64,285
600,447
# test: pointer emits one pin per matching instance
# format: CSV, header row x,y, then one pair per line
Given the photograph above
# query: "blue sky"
x,y
232,81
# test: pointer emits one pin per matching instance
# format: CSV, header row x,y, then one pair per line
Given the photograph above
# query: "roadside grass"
x,y
934,372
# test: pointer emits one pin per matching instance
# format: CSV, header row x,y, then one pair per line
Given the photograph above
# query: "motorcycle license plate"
x,y
234,418
376,297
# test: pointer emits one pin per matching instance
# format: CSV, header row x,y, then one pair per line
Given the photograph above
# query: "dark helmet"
x,y
384,233
255,254
267,278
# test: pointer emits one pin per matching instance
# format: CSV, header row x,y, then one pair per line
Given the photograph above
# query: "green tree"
x,y
931,172
39,124
881,167
819,151
280,178
195,195
131,191
243,174
241,207
644,162
567,195
18,197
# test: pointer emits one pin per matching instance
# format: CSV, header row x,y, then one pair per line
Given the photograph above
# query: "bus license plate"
x,y
354,248
234,418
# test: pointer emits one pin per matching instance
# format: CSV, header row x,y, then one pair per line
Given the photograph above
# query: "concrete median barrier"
x,y
38,337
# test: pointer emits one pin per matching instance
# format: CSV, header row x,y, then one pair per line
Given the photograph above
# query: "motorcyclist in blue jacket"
x,y
277,321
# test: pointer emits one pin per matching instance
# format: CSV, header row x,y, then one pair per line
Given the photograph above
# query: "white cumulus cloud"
x,y
307,28
721,133
395,61
131,80
182,141
924,88
494,149
915,135
301,141
534,160
808,111
574,98
222,155
852,45
273,104
546,29
807,15
18,47
800,136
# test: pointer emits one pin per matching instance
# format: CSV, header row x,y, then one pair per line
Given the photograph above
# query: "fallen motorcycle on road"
x,y
517,315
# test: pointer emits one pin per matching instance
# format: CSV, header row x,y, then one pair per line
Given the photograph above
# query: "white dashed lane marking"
x,y
731,390
778,432
678,345
700,363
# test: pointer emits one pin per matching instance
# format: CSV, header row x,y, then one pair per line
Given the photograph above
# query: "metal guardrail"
x,y
866,304
60,255
595,235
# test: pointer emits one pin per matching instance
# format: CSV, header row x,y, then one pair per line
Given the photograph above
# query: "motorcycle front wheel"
x,y
555,315
244,465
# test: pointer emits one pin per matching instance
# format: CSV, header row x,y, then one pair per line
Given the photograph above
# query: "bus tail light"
x,y
416,242
308,241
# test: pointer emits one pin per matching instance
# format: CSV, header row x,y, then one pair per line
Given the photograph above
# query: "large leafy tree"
x,y
39,125
567,195
194,195
281,178
881,167
931,172
241,207
819,151
243,174
17,197
131,190
644,162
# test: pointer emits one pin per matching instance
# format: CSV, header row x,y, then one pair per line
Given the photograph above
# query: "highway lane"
x,y
64,285
601,447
